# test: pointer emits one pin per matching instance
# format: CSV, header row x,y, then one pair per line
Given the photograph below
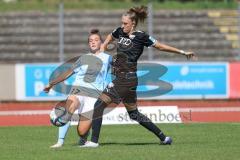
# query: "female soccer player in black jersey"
x,y
130,45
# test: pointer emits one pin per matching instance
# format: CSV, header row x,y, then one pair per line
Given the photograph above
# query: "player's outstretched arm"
x,y
59,79
104,45
166,48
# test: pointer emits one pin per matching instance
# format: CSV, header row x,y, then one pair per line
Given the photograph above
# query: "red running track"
x,y
210,111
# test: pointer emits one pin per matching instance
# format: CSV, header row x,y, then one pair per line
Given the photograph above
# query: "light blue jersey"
x,y
92,76
92,71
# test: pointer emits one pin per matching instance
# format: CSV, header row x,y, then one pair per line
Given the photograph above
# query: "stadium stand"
x,y
27,37
227,21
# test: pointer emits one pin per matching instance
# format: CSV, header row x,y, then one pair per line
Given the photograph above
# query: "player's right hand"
x,y
47,88
111,47
190,55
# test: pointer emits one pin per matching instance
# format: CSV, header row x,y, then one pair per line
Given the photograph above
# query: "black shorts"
x,y
123,89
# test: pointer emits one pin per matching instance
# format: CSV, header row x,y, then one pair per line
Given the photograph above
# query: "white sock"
x,y
62,131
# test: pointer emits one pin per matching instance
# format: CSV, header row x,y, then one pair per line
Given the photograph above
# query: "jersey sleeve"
x,y
116,32
148,40
76,66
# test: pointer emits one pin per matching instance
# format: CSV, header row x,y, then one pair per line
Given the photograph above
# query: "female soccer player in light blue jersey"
x,y
90,78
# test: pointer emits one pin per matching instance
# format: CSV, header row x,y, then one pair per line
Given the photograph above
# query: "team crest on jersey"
x,y
132,36
110,85
124,43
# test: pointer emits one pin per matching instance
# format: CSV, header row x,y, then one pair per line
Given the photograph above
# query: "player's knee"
x,y
134,114
137,116
130,106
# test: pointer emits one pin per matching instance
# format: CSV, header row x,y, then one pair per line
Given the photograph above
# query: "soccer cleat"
x,y
89,144
57,145
167,141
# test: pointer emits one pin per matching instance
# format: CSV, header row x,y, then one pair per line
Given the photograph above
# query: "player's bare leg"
x,y
71,104
83,128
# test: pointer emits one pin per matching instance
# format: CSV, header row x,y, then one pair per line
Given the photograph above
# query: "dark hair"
x,y
137,14
97,32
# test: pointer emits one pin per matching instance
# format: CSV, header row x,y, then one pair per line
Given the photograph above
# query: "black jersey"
x,y
130,48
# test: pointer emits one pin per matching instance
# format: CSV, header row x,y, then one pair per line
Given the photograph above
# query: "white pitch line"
x,y
26,112
211,109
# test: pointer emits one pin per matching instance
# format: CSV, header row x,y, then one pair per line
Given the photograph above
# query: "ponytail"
x,y
137,14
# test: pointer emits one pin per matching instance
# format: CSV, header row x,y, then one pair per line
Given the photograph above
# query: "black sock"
x,y
83,138
147,123
97,119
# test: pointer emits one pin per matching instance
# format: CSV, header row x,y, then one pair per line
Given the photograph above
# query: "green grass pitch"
x,y
123,142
